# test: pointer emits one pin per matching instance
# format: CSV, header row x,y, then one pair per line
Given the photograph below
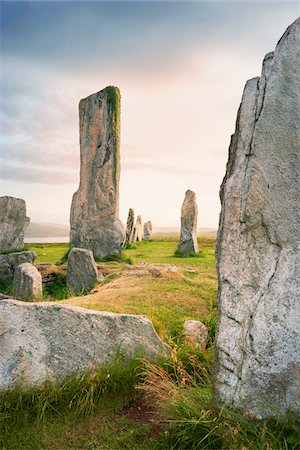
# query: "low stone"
x,y
138,230
195,333
147,231
13,222
49,341
9,262
82,272
27,283
188,232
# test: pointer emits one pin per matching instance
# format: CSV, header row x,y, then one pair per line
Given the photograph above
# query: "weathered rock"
x,y
13,222
8,264
27,283
94,219
130,226
188,231
147,231
41,341
258,251
138,230
82,273
195,333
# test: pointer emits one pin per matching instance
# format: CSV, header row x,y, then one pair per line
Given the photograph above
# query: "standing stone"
x,y
82,272
27,282
130,226
13,222
188,232
148,231
258,247
8,264
94,219
138,230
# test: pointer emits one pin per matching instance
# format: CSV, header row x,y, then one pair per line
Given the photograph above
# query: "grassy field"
x,y
141,406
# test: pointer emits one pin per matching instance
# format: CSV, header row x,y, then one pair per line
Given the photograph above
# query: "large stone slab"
x,y
27,283
8,264
188,231
82,272
13,222
40,341
94,219
130,226
148,231
258,249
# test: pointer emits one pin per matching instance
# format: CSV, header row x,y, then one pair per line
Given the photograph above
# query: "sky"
x,y
181,68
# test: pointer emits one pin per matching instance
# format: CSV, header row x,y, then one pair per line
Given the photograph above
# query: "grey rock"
x,y
94,218
49,341
195,333
258,251
188,231
138,230
8,264
130,226
13,222
147,231
82,273
27,283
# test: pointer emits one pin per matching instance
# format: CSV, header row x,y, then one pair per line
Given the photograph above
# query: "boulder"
x,y
138,231
94,218
258,251
8,264
130,226
41,341
82,272
27,283
13,222
147,231
188,231
195,333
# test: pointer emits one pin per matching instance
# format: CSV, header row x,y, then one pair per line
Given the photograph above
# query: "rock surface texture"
x,y
258,248
82,273
13,222
195,333
188,231
94,218
27,283
8,264
138,231
147,231
42,341
130,226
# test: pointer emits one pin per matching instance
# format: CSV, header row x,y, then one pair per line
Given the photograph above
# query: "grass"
x,y
89,411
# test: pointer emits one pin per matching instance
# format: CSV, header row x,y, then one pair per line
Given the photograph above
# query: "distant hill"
x,y
175,231
46,230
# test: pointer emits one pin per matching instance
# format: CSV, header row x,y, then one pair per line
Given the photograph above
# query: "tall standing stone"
x,y
94,219
13,222
188,231
130,226
138,230
147,231
258,248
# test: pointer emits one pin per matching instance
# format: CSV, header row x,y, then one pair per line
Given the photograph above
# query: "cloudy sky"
x,y
181,68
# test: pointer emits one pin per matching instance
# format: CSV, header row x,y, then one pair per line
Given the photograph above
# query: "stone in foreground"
x,y
27,283
188,231
130,226
147,231
94,219
195,333
258,249
41,341
8,264
138,230
13,222
82,273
